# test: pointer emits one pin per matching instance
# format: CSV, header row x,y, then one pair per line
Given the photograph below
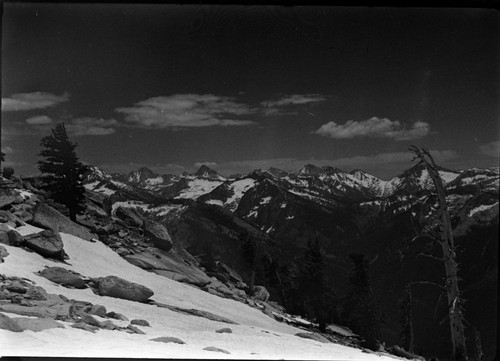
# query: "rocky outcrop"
x,y
8,197
129,216
47,243
63,277
47,217
117,287
158,234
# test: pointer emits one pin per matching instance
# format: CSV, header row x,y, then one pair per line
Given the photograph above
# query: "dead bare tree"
x,y
449,257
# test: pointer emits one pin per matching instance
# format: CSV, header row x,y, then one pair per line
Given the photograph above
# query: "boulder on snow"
x,y
63,277
135,329
260,293
46,243
313,336
129,216
3,253
158,234
98,310
224,330
116,316
85,326
167,339
47,217
37,324
7,323
140,322
117,287
10,237
216,349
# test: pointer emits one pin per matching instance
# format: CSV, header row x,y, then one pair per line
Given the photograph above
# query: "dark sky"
x,y
245,87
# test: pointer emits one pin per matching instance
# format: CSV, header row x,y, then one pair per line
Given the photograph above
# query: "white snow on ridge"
x,y
239,188
198,187
154,181
481,208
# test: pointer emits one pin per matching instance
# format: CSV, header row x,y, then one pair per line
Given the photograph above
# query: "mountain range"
x,y
346,212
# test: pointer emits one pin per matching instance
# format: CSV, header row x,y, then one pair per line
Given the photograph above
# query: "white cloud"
x,y
275,107
295,99
375,128
187,110
492,149
39,119
90,126
30,101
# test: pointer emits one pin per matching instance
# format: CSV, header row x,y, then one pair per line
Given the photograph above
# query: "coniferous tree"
x,y
406,308
318,299
250,254
63,172
360,310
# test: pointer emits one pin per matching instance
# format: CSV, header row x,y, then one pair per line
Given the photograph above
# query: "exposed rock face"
x,y
46,243
129,216
47,217
158,234
7,323
260,293
113,286
63,277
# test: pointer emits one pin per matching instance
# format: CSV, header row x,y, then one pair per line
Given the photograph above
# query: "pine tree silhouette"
x,y
360,310
317,296
63,172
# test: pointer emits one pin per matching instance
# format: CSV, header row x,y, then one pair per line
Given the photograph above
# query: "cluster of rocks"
x,y
22,297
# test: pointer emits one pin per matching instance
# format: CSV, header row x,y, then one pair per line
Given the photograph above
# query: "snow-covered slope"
x,y
255,336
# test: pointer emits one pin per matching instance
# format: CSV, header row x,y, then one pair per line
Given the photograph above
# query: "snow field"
x,y
96,260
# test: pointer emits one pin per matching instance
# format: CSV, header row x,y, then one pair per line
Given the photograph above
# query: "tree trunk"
x,y
449,259
72,214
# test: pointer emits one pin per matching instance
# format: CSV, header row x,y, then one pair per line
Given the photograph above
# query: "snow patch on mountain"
x,y
198,187
482,208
